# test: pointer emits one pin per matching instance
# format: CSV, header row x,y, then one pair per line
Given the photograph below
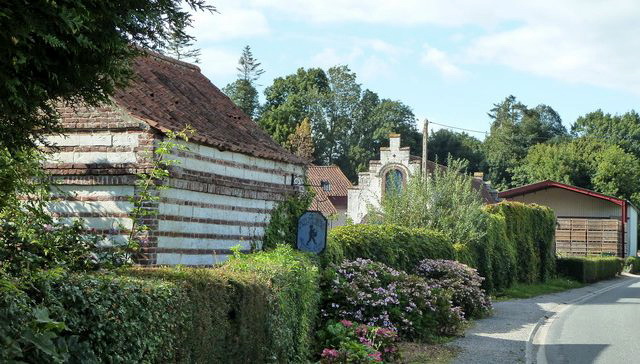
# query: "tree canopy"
x,y
348,124
76,51
443,143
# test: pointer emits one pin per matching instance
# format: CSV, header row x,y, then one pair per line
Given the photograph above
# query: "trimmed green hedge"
x,y
590,269
530,230
632,265
518,245
496,255
256,308
396,246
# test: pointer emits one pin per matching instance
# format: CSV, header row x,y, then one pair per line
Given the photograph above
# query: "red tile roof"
x,y
338,182
169,94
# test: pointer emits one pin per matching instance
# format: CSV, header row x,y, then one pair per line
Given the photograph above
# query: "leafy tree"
x,y
584,162
77,51
72,51
301,141
243,91
623,130
291,99
515,128
444,142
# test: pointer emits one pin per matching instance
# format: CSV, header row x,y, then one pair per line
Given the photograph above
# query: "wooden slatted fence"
x,y
589,236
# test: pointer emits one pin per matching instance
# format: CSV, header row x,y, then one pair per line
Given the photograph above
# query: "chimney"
x,y
394,141
479,175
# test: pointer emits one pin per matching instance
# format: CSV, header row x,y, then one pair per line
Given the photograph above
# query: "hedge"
x,y
590,269
256,308
530,230
518,245
396,246
91,318
632,265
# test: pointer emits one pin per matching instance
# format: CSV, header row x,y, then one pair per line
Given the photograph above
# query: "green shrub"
x,y
530,229
590,269
255,308
632,265
495,255
92,318
396,246
283,221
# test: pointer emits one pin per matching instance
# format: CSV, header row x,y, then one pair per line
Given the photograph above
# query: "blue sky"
x,y
448,60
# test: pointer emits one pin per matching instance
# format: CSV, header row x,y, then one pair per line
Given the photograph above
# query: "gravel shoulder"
x,y
503,337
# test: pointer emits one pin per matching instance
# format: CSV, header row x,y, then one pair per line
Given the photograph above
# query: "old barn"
x,y
220,194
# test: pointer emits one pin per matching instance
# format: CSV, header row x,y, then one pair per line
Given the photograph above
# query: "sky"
x,y
449,60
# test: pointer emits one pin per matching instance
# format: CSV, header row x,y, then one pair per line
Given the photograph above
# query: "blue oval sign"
x,y
312,232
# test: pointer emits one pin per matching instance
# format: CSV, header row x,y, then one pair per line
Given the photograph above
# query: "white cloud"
x,y
577,41
439,60
219,65
231,22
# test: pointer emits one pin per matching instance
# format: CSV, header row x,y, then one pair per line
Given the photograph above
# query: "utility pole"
x,y
425,142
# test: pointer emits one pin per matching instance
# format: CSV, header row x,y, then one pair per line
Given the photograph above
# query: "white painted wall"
x,y
247,227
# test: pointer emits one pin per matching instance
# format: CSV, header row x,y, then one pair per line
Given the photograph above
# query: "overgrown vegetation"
x,y
590,269
632,265
445,201
255,308
283,222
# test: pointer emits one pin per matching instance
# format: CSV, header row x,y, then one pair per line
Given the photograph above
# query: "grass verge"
x,y
521,290
421,353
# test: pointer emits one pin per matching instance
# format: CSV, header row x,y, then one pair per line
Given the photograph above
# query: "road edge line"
x,y
529,350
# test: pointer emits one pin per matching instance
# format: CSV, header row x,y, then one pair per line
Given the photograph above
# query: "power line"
x,y
459,128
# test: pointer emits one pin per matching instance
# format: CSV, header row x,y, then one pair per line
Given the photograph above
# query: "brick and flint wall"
x,y
216,199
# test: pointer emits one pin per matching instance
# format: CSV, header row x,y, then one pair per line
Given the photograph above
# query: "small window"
x,y
326,186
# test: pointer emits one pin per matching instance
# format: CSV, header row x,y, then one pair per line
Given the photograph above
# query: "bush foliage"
x,y
464,282
529,232
590,269
349,342
255,308
396,246
374,294
283,222
632,265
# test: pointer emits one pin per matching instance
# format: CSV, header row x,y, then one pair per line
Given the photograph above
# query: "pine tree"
x,y
182,48
301,142
243,91
249,69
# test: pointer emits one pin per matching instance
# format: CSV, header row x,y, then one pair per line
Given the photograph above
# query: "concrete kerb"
x,y
543,324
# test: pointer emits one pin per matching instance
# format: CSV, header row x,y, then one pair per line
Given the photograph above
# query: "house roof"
x,y
338,187
169,94
339,183
542,185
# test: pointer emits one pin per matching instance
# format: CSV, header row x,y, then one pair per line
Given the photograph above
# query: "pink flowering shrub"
x,y
377,295
465,283
349,342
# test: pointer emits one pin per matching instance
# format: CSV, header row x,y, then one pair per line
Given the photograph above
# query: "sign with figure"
x,y
312,232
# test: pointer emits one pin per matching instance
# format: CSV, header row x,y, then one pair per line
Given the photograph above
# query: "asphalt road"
x,y
604,328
